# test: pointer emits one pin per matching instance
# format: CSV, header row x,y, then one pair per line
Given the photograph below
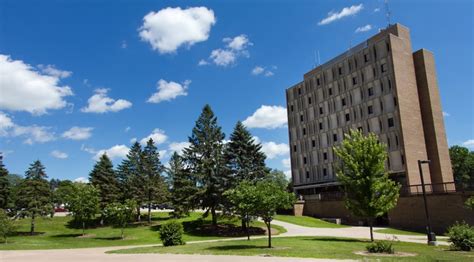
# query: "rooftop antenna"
x,y
387,13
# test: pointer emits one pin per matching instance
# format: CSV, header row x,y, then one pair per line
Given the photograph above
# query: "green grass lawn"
x,y
55,233
307,221
308,247
398,232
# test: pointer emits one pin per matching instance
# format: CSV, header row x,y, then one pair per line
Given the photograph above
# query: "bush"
x,y
380,247
470,203
461,235
171,234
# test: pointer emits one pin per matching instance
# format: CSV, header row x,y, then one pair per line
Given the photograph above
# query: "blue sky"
x,y
81,77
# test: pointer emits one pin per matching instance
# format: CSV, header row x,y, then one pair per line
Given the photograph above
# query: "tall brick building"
x,y
379,86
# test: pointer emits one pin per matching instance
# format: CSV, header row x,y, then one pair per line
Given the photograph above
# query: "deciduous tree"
x,y
83,203
120,214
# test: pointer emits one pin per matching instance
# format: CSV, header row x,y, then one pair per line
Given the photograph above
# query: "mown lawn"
x,y
307,221
58,232
308,247
395,231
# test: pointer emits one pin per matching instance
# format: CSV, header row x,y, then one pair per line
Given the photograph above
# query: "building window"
x,y
325,156
301,118
330,91
395,101
381,105
313,143
388,47
309,100
291,108
318,81
383,67
294,148
371,91
304,160
320,125
320,110
370,110
348,117
354,80
366,58
340,70
299,91
307,174
304,131
325,172
390,122
343,102
334,137
360,129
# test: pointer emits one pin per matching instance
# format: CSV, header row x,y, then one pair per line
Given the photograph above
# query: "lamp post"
x,y
431,235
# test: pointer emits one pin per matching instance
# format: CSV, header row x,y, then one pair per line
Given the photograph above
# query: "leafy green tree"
x,y
183,188
155,189
120,214
34,196
103,178
62,191
132,178
271,196
462,162
369,191
205,160
83,203
6,225
4,186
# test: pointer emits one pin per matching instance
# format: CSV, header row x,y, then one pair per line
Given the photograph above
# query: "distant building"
x,y
379,86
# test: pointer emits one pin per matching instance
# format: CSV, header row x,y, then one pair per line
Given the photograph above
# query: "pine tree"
x,y
183,188
205,159
4,186
131,177
154,186
103,178
34,196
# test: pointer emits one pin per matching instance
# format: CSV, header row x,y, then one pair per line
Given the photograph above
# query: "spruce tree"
x,y
34,196
204,157
103,178
154,187
4,186
131,177
183,188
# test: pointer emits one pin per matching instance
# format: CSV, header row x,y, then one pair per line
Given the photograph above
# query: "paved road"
x,y
99,255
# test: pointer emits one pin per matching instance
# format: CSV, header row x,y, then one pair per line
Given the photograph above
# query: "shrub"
x,y
470,203
6,226
461,236
171,234
380,247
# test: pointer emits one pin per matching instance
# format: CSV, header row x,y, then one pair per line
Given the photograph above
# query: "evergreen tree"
x,y
154,186
34,196
103,178
183,188
205,160
131,177
369,191
4,186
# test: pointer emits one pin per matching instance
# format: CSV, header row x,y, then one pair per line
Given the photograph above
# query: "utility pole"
x,y
431,235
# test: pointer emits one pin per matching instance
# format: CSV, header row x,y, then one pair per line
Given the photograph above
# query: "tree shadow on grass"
x,y
108,238
26,234
67,235
205,228
235,247
336,239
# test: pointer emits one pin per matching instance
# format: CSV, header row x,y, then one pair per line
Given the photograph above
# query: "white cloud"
x,y
170,28
78,133
81,180
259,70
127,129
115,152
51,70
101,103
235,47
376,10
169,90
158,136
446,114
34,134
5,124
124,44
269,117
88,149
286,162
288,174
25,89
346,11
364,28
273,150
58,154
469,143
178,146
203,62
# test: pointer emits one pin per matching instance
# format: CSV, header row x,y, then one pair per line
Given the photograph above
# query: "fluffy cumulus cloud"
x,y
101,103
78,133
469,143
5,124
269,117
59,154
167,91
24,88
53,71
235,47
114,152
346,11
81,180
32,134
158,136
260,70
273,150
178,146
364,28
170,28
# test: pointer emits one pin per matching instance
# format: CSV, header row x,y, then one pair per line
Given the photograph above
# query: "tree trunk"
x,y
244,224
32,229
247,227
214,216
83,228
138,214
371,223
149,207
121,233
269,234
